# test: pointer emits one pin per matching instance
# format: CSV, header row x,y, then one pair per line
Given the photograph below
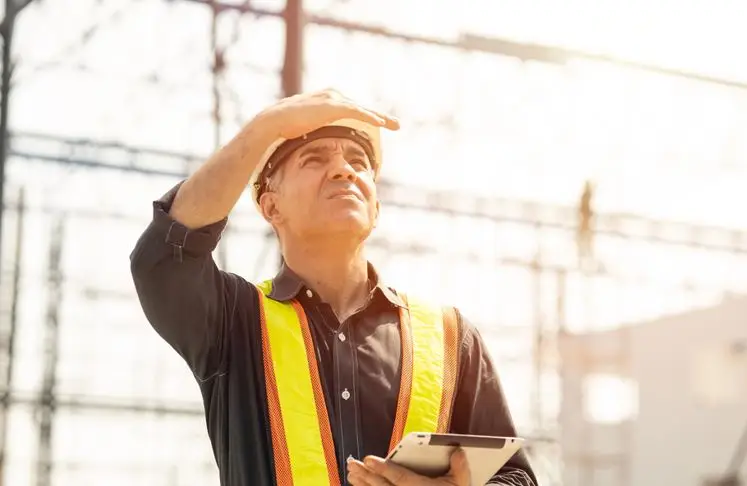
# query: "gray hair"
x,y
272,183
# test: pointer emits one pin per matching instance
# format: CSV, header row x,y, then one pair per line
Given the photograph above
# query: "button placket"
x,y
346,392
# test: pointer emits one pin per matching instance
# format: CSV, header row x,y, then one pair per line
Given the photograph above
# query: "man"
x,y
312,377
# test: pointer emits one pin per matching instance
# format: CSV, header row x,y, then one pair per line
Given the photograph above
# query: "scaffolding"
x,y
587,459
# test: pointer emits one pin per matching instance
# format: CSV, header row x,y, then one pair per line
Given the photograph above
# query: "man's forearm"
x,y
213,190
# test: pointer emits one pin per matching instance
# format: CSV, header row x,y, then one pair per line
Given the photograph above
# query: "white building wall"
x,y
689,373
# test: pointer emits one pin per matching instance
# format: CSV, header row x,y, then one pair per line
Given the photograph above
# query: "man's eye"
x,y
312,160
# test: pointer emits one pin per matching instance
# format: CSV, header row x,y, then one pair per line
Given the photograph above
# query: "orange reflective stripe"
x,y
451,365
405,382
430,352
277,431
303,454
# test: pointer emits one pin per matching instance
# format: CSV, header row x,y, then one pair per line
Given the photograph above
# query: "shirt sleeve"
x,y
184,296
480,406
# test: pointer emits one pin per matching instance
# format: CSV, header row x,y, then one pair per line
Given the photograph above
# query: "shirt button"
x,y
309,293
341,337
345,394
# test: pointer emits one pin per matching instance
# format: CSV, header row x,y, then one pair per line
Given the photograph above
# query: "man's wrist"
x,y
261,130
250,143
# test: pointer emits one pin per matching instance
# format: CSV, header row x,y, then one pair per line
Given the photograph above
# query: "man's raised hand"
x,y
303,113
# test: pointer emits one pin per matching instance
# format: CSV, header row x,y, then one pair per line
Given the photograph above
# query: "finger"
x,y
359,474
331,91
350,109
393,473
357,470
292,99
371,479
333,96
459,470
391,122
356,479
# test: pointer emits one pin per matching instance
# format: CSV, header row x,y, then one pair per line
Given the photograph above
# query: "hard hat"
x,y
366,135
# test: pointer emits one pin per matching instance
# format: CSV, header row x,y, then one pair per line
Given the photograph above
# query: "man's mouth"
x,y
345,194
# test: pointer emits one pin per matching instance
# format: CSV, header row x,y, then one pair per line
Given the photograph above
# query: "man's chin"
x,y
340,224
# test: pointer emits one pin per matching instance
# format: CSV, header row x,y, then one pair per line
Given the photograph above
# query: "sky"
x,y
137,73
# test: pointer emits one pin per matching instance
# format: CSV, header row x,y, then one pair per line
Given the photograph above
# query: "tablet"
x,y
429,454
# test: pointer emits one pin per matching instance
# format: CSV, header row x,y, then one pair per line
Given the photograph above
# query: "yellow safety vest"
x,y
302,441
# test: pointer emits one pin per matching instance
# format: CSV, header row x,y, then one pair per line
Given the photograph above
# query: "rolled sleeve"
x,y
185,297
178,239
480,407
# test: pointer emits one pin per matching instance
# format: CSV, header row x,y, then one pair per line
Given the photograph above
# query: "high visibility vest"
x,y
302,441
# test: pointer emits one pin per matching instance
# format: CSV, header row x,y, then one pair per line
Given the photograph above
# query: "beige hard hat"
x,y
366,135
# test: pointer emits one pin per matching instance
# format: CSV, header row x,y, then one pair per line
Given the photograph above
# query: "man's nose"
x,y
341,169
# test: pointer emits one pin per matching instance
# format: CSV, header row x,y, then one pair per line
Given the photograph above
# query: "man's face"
x,y
325,187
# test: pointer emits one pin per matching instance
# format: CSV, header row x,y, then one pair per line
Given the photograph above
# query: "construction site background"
x,y
570,175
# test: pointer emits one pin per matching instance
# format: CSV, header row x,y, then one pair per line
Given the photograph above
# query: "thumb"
x,y
459,471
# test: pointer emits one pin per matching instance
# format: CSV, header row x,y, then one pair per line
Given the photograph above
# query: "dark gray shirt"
x,y
211,318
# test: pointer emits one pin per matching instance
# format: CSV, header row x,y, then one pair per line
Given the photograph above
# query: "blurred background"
x,y
570,174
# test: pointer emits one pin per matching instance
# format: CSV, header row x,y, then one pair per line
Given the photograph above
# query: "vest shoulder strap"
x,y
430,355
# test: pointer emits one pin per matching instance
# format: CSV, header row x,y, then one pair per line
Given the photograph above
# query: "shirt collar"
x,y
287,284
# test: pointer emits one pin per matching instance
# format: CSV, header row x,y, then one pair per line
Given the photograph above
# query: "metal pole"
x,y
292,73
7,34
293,62
11,337
48,405
12,9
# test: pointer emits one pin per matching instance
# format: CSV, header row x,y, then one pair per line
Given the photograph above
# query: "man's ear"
x,y
269,206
